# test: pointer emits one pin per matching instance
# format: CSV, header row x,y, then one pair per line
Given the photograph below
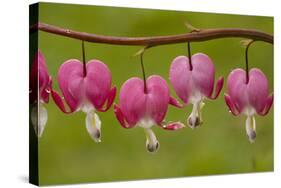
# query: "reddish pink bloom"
x,y
146,108
40,89
88,91
194,83
248,97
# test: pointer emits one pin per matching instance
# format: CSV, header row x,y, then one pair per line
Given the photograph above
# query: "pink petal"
x,y
231,105
180,77
257,89
203,73
110,99
237,88
43,75
39,74
97,83
71,83
121,118
219,86
158,98
132,100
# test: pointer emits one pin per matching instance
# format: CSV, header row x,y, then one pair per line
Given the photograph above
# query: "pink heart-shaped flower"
x,y
145,108
248,97
87,92
40,84
194,83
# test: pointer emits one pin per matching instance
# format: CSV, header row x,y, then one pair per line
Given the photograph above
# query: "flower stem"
x,y
189,55
143,72
247,62
84,61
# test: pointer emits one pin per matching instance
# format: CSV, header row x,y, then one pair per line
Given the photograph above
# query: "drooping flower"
x,y
40,89
145,105
248,97
193,82
86,88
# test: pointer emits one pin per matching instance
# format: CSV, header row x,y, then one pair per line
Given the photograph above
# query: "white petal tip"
x,y
194,122
152,148
252,137
152,144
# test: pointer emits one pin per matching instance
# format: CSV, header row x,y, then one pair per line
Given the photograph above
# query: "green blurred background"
x,y
67,154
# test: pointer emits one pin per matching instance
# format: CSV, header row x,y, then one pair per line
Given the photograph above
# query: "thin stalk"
x,y
143,72
84,60
189,56
247,61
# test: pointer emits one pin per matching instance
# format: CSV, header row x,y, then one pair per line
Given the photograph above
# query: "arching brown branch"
x,y
202,35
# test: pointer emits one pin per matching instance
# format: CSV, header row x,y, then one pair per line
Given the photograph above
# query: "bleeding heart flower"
x,y
193,82
249,97
39,75
144,105
86,88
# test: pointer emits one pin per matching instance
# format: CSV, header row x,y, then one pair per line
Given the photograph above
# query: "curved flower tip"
x,y
120,117
218,89
248,96
175,102
59,102
231,106
110,99
172,126
268,104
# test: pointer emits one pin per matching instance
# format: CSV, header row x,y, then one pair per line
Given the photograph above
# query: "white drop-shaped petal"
x,y
43,118
152,144
39,119
195,118
251,128
34,118
93,125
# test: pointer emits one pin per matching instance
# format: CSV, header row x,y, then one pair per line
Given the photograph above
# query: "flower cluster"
x,y
87,87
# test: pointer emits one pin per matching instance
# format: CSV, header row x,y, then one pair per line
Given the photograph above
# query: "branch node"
x,y
246,42
141,51
191,27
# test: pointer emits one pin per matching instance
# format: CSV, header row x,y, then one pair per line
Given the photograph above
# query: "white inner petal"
x,y
195,97
251,128
195,118
152,143
249,111
93,125
86,107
